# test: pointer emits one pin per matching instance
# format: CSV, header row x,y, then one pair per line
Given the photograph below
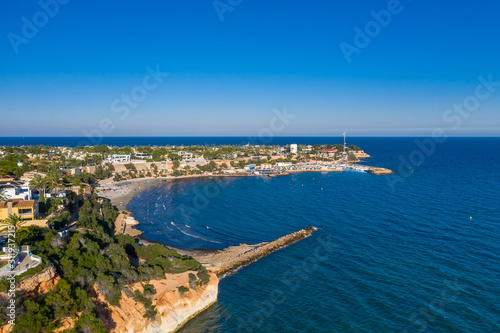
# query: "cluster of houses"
x,y
19,198
192,159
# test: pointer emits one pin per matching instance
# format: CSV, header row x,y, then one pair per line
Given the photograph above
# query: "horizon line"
x,y
253,136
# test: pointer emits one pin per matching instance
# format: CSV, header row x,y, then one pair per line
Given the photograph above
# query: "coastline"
x,y
126,190
219,263
121,193
222,261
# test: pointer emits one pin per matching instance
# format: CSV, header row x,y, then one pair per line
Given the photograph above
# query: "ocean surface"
x,y
162,141
186,141
418,251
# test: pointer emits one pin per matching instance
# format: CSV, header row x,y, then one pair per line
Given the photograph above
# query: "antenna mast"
x,y
344,149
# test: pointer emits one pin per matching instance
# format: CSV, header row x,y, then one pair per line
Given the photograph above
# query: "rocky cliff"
x,y
174,308
40,283
37,284
31,287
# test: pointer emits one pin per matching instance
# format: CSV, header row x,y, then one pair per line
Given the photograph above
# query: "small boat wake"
x,y
218,232
193,236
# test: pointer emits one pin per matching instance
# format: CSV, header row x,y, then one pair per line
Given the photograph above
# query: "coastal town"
x,y
51,197
31,175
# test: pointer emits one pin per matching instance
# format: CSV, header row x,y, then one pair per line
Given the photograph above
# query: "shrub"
x,y
192,280
107,287
149,289
151,312
182,290
28,235
148,305
59,221
203,277
89,323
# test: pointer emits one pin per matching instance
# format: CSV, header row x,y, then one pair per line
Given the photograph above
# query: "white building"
x,y
185,155
143,156
194,161
15,189
293,148
117,159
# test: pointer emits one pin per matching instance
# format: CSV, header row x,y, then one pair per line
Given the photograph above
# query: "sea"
x,y
415,251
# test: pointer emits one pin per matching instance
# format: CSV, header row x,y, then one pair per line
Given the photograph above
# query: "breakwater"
x,y
380,171
262,251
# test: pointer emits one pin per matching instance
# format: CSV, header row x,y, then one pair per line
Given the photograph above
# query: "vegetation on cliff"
x,y
93,259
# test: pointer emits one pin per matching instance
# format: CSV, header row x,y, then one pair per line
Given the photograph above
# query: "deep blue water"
x,y
146,141
422,255
187,141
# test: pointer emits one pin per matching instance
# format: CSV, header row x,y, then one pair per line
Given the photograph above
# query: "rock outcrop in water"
x,y
380,171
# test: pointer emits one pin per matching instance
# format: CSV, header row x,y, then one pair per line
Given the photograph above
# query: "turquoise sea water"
x,y
420,256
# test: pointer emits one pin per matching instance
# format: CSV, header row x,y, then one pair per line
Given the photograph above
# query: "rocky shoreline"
x,y
380,171
177,311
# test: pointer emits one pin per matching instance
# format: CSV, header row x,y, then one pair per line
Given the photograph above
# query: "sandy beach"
x,y
121,193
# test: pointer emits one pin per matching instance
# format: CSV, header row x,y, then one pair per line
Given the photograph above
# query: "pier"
x,y
261,251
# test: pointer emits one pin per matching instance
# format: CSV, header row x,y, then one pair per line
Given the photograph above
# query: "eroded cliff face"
x,y
174,309
40,283
31,287
37,284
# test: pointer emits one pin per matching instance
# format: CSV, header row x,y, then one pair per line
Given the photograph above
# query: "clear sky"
x,y
65,74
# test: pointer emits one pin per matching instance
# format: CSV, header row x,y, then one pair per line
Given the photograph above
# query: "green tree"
x,y
38,183
89,323
52,181
57,222
37,319
130,167
8,167
351,157
61,300
11,224
28,235
212,166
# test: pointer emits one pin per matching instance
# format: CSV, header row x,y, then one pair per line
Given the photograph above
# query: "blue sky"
x,y
227,76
